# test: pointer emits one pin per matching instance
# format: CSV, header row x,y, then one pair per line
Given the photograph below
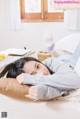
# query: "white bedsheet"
x,y
39,110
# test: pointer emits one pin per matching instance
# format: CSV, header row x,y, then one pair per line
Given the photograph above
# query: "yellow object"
x,y
2,56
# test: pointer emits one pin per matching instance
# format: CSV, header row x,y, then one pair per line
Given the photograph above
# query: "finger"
x,y
19,81
33,89
33,94
31,97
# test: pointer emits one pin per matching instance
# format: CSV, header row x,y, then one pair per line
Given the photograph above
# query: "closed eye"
x,y
37,66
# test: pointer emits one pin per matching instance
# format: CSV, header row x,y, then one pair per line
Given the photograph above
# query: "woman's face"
x,y
33,67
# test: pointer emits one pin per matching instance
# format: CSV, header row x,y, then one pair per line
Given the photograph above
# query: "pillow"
x,y
77,67
68,43
10,87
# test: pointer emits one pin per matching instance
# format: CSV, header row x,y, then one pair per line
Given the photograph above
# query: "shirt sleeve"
x,y
47,92
53,63
63,81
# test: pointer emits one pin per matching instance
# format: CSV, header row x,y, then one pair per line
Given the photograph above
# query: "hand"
x,y
20,78
33,93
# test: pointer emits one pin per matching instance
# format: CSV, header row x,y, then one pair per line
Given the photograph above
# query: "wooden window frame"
x,y
44,16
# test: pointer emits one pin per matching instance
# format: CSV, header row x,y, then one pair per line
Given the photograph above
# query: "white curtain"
x,y
72,19
13,14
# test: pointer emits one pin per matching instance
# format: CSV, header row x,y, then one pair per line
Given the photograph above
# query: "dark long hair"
x,y
15,68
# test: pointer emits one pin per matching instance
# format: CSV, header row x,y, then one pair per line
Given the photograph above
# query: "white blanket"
x,y
74,96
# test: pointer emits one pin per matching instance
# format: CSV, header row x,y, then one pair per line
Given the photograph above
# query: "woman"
x,y
49,79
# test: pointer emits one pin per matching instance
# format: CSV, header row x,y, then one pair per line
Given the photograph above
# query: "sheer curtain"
x,y
72,19
13,14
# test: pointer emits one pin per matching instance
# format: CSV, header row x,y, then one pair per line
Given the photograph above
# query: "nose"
x,y
40,72
37,72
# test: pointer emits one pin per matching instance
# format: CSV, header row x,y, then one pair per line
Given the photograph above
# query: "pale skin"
x,y
32,68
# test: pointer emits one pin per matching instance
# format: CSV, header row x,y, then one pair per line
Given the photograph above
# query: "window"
x,y
40,10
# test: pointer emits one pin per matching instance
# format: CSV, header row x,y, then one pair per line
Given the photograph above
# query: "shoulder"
x,y
49,61
53,63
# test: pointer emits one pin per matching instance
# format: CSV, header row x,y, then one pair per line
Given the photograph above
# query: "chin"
x,y
47,73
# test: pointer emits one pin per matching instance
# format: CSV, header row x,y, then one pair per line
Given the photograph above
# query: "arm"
x,y
43,92
63,81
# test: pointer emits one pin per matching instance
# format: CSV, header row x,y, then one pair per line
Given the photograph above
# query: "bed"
x,y
39,110
51,109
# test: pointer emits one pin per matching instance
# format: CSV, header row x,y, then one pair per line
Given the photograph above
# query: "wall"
x,y
30,35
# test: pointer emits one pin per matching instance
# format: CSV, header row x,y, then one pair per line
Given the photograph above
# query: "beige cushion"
x,y
10,87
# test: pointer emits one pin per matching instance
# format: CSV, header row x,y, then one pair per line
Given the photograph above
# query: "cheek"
x,y
25,70
44,68
46,71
